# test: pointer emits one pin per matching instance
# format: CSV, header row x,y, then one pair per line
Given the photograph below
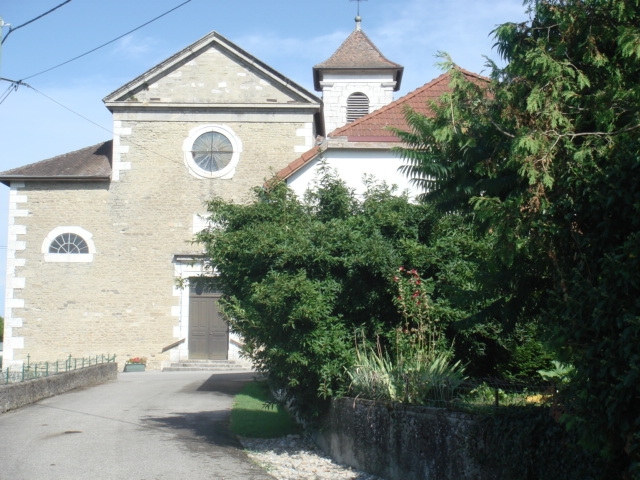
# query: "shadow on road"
x,y
210,427
228,383
204,429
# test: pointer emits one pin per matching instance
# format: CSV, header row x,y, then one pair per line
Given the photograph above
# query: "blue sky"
x,y
289,35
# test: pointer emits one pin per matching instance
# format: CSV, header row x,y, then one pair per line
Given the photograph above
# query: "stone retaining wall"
x,y
16,395
396,441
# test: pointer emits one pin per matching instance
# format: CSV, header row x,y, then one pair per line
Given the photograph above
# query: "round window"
x,y
212,151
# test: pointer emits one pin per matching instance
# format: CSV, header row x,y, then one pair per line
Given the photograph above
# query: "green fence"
x,y
30,371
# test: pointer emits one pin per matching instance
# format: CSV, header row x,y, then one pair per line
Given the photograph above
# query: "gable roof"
x,y
357,52
374,126
90,164
118,96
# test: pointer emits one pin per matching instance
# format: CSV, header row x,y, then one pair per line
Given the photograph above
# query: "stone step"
x,y
207,365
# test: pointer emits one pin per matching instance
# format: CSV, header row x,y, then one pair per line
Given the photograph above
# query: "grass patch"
x,y
250,417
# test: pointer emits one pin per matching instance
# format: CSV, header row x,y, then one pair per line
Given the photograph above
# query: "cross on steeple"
x,y
358,4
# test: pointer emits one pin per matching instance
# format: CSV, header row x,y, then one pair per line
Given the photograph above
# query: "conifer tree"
x,y
546,155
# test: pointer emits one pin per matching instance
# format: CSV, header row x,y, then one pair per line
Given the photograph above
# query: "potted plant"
x,y
135,364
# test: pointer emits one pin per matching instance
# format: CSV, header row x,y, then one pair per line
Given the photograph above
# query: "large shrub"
x,y
302,278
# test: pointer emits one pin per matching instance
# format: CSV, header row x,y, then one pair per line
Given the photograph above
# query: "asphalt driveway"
x,y
144,426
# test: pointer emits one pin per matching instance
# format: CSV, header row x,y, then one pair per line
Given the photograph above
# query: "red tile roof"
x,y
300,162
373,127
88,164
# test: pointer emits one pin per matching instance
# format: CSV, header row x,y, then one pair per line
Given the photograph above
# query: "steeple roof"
x,y
357,52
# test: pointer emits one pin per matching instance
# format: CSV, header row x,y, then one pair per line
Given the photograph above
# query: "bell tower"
x,y
356,80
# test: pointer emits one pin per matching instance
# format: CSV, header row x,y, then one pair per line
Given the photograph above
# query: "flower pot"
x,y
134,367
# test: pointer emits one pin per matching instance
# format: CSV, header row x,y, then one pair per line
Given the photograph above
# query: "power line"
x,y
12,29
108,43
65,107
98,125
12,88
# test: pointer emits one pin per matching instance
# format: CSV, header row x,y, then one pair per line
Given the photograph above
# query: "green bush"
x,y
301,277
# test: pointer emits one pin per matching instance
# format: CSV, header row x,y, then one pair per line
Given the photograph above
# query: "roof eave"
x,y
7,179
116,105
397,75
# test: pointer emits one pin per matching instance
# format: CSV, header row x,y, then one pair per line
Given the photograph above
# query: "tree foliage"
x,y
304,281
547,156
302,278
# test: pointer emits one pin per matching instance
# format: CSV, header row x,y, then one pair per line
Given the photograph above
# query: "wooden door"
x,y
208,331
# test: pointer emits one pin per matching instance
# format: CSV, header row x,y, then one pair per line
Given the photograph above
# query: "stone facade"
x,y
124,298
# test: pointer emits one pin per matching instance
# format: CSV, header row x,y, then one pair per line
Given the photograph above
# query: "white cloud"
x,y
133,47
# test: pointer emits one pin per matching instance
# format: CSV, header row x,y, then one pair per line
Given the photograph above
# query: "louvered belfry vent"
x,y
357,106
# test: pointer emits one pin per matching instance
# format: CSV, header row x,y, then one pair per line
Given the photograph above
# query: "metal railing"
x,y
30,371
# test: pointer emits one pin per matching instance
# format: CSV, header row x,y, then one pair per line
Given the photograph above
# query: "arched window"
x,y
68,244
357,106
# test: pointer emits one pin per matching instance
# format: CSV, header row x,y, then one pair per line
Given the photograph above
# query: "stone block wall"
x,y
397,442
16,395
126,301
337,88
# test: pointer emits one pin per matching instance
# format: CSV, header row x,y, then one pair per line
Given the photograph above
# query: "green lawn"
x,y
251,416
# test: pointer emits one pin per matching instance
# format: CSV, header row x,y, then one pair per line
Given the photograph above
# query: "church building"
x,y
100,251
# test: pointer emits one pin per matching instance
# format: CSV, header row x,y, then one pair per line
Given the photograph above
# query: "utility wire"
x,y
7,92
100,126
12,88
105,44
12,29
66,108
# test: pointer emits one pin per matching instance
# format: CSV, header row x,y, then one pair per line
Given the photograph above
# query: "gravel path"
x,y
296,458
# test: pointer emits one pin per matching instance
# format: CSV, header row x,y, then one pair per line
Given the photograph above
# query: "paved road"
x,y
144,426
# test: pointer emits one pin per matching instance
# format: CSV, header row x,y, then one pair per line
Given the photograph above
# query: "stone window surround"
x,y
68,257
198,172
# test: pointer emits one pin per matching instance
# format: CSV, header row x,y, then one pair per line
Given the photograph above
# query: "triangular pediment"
x,y
212,71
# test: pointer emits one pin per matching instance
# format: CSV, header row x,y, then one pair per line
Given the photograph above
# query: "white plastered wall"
x,y
352,166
